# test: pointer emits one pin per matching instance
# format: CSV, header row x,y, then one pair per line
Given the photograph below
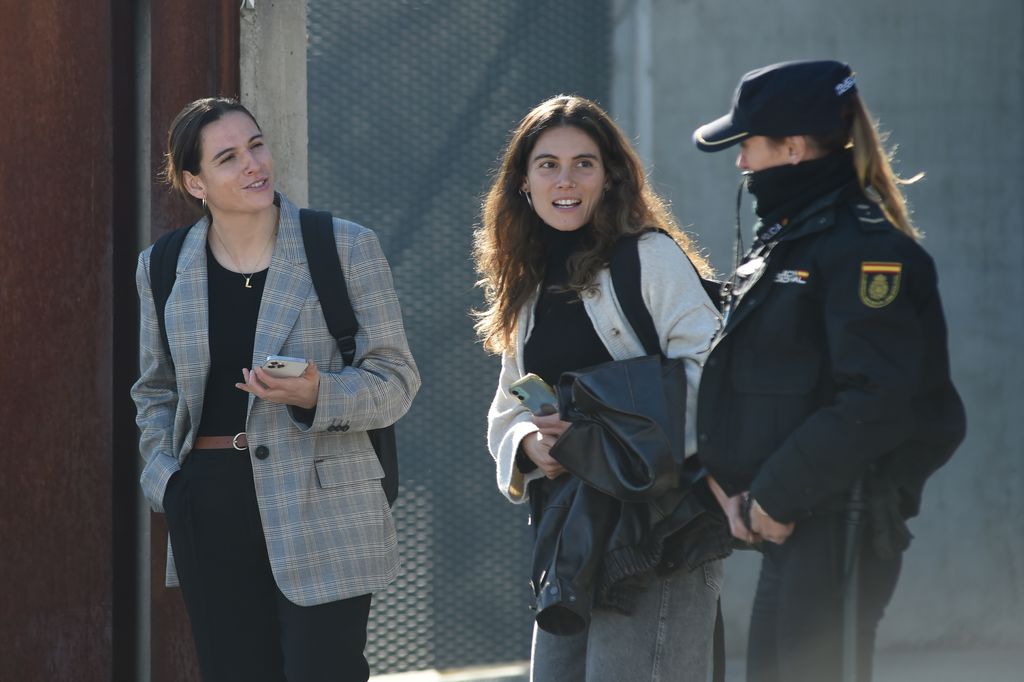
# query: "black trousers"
x,y
244,628
796,628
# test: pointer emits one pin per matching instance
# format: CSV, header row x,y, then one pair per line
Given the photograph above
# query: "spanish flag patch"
x,y
879,283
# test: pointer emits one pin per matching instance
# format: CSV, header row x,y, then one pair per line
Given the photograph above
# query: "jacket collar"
x,y
819,215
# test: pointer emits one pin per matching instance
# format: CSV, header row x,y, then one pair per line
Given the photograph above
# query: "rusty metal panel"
x,y
194,54
56,321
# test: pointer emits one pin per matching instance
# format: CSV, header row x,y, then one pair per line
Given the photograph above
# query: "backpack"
x,y
329,283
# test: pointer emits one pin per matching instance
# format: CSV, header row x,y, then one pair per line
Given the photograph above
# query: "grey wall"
x,y
947,79
272,47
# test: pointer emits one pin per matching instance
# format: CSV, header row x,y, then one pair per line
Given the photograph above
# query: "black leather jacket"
x,y
589,544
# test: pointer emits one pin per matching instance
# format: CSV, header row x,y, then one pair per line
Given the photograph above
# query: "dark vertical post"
x,y
124,185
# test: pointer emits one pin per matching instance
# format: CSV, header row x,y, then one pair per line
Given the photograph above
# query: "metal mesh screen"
x,y
410,103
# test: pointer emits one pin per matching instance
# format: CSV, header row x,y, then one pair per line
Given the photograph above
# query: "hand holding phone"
x,y
281,366
535,394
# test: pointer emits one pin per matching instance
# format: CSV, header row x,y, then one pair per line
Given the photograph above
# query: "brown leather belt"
x,y
237,441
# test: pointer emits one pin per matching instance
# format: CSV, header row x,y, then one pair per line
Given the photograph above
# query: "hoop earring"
x,y
529,200
205,207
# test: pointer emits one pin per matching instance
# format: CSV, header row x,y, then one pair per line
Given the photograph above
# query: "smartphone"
x,y
535,394
283,366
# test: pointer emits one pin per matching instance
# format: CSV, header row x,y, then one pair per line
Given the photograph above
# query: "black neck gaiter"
x,y
781,192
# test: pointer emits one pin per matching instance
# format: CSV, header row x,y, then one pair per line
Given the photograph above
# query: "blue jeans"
x,y
667,637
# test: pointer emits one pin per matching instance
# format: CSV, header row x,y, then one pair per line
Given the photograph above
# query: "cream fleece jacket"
x,y
686,322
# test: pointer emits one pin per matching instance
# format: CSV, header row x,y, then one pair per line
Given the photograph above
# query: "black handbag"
x,y
627,433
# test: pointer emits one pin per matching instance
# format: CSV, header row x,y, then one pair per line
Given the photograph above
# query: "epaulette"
x,y
869,215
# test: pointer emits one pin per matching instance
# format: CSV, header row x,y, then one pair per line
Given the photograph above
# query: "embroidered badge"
x,y
879,283
791,277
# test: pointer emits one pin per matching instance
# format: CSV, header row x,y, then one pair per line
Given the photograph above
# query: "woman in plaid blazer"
x,y
279,528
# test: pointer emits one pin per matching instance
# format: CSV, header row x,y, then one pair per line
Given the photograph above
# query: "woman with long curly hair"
x,y
569,189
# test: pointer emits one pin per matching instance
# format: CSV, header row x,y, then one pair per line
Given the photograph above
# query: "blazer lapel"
x,y
287,288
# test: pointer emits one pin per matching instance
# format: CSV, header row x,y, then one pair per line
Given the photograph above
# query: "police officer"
x,y
830,376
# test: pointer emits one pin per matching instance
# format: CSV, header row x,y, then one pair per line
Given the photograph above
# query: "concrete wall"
x,y
273,84
947,79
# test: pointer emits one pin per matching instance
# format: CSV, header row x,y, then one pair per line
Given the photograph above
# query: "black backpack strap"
x,y
625,270
163,271
329,280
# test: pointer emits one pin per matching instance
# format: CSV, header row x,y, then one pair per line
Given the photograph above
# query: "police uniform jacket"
x,y
833,356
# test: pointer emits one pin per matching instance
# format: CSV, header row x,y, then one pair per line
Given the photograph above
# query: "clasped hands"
x,y
301,391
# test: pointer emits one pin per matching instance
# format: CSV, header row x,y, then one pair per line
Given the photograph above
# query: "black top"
x,y
233,311
563,338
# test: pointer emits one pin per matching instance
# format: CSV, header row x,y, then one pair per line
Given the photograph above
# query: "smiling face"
x,y
236,171
566,178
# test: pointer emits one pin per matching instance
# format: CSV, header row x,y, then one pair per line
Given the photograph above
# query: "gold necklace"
x,y
234,262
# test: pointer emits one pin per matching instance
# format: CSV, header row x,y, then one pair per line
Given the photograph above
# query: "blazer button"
x,y
262,452
343,428
703,438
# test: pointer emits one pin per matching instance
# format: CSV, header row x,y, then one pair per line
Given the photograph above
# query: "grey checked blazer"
x,y
329,530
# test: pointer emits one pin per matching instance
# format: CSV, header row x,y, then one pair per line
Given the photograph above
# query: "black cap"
x,y
790,98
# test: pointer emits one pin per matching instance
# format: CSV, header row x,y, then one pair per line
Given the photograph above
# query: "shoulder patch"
x,y
879,283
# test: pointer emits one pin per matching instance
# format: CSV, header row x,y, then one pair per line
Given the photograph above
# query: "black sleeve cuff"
x,y
303,415
524,463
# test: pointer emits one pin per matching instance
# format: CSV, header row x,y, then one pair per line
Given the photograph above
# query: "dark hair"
x,y
184,140
507,248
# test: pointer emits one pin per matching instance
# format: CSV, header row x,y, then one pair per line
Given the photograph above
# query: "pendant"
x,y
247,278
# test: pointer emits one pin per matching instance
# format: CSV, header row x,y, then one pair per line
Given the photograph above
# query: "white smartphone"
x,y
535,394
283,366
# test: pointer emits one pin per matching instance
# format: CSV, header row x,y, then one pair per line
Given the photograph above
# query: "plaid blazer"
x,y
327,522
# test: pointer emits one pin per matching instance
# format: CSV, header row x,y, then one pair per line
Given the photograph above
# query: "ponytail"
x,y
872,163
874,171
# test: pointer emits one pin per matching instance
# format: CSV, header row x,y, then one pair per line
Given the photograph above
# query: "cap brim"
x,y
720,134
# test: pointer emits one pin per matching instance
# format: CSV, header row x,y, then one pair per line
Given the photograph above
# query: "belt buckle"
x,y
234,441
